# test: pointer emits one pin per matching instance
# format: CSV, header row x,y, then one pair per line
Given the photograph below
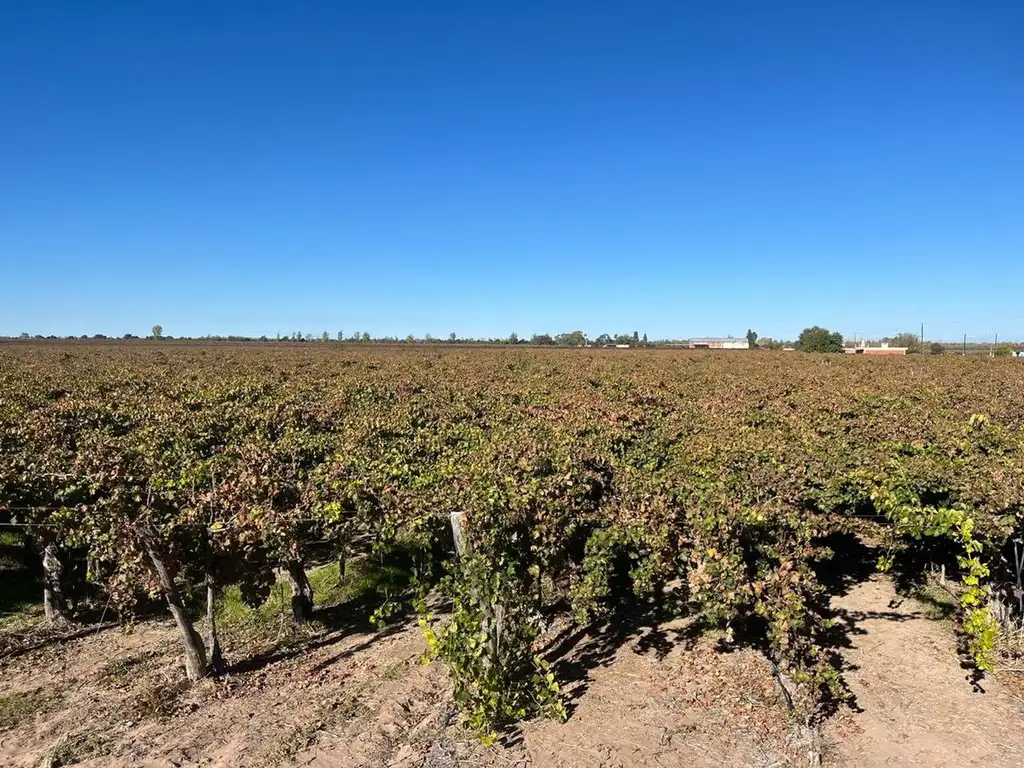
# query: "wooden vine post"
x,y
458,522
492,612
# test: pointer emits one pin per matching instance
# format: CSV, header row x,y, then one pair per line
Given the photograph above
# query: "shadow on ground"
x,y
341,621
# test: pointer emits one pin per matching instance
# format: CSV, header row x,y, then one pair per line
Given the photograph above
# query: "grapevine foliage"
x,y
588,481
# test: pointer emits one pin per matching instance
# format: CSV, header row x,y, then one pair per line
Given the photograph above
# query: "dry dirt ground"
x,y
918,704
358,697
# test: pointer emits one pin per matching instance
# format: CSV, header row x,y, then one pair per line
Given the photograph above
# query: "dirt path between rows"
x,y
918,705
640,696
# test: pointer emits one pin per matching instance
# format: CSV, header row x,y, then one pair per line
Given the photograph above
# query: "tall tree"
x,y
158,331
751,338
818,339
909,340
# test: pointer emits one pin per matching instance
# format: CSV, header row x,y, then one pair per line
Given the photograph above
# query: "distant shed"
x,y
883,349
728,343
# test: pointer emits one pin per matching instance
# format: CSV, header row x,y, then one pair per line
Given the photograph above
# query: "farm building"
x,y
882,349
729,343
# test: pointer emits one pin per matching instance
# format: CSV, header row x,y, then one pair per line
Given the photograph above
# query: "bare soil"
x,y
637,697
917,704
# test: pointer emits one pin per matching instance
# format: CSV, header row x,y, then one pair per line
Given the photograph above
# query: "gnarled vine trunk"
x,y
55,605
302,591
217,664
342,562
195,652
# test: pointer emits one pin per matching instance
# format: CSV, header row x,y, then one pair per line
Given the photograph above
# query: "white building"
x,y
864,348
729,343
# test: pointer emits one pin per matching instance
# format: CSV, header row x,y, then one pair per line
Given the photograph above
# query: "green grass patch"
x,y
937,602
21,598
17,706
121,671
77,747
368,584
10,538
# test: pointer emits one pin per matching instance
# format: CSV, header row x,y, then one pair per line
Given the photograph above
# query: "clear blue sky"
x,y
678,168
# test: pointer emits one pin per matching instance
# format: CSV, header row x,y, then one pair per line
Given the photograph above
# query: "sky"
x,y
676,168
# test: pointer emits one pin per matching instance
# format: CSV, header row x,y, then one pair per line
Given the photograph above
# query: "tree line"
x,y
811,339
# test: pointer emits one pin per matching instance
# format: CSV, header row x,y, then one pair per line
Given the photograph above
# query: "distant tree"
x,y
24,336
573,339
325,337
909,340
513,338
817,339
603,340
751,338
341,335
452,337
937,349
1004,350
542,339
366,337
645,340
128,336
158,331
98,336
636,339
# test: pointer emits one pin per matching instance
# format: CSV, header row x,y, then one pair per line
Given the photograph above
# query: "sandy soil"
x,y
356,697
363,699
918,704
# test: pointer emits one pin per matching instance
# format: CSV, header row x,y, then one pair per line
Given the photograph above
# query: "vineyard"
x,y
499,493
